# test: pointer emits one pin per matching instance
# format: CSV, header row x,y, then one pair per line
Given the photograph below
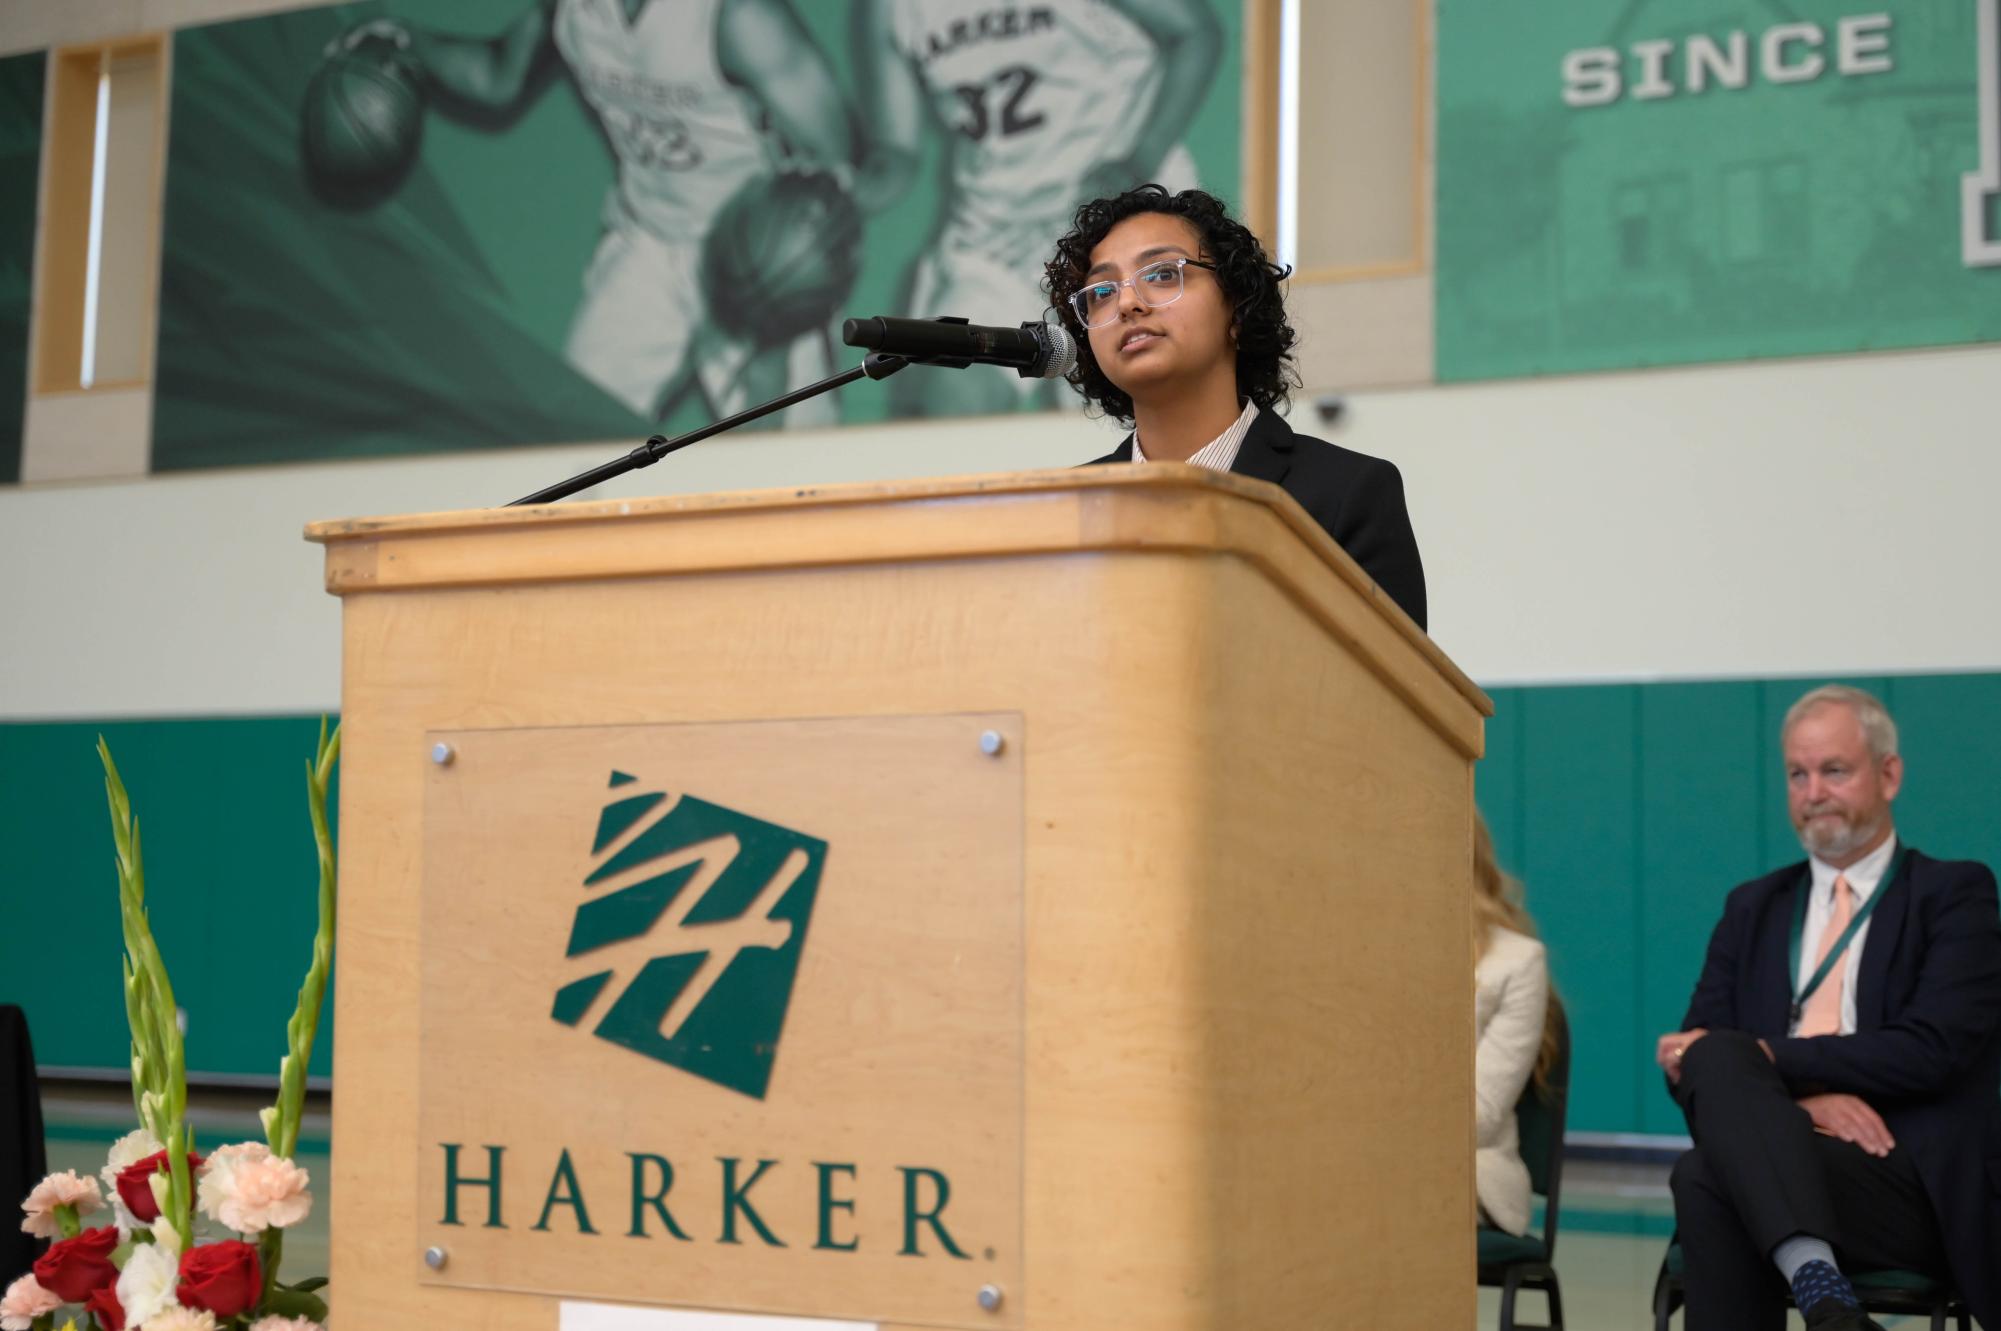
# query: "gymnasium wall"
x,y
1642,564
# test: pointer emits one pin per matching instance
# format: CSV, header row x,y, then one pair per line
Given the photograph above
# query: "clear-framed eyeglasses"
x,y
1157,284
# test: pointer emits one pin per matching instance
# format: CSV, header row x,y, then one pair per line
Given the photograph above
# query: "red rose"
x,y
71,1269
135,1188
224,1278
104,1306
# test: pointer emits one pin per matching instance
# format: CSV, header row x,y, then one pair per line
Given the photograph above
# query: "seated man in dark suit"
x,y
1840,1063
1181,330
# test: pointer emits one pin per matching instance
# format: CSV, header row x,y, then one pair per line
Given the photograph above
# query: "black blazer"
x,y
1356,498
23,1153
1926,1053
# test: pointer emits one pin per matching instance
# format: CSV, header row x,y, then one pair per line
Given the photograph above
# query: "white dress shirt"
x,y
1864,876
1220,453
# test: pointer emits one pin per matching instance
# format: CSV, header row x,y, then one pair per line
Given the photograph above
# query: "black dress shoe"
x,y
1833,1315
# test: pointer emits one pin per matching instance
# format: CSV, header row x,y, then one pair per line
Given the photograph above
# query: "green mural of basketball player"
x,y
1044,105
700,100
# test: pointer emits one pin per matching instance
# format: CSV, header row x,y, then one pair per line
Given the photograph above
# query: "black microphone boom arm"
x,y
874,366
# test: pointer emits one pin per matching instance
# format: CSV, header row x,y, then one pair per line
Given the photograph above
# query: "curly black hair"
x,y
1250,281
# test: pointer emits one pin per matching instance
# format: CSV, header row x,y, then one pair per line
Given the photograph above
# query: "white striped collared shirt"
x,y
1220,453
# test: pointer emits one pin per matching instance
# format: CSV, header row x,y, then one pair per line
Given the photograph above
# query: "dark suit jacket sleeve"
x,y
1713,1006
1373,526
1953,1012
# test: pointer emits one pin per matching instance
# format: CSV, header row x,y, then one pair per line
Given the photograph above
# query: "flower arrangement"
x,y
192,1242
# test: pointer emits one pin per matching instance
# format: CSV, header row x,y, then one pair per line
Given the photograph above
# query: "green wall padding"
x,y
1629,810
231,884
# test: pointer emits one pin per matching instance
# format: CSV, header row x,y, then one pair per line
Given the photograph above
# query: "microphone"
x,y
1034,350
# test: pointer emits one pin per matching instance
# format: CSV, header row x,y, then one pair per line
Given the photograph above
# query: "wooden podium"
x,y
1025,901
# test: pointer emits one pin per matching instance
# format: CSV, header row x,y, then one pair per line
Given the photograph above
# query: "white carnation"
x,y
127,1150
146,1286
130,1149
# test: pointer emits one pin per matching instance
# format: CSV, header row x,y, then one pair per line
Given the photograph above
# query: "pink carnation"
x,y
64,1189
285,1324
181,1319
24,1301
249,1190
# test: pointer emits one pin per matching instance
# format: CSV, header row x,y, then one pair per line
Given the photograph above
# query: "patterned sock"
x,y
1817,1282
1797,1251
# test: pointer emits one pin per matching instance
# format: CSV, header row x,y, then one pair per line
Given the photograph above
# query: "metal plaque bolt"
x,y
443,753
990,1297
991,743
435,1257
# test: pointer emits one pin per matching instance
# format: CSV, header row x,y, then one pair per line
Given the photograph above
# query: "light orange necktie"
x,y
1822,1014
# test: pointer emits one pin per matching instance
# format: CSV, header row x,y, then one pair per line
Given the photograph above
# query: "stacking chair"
x,y
1894,1293
1511,1262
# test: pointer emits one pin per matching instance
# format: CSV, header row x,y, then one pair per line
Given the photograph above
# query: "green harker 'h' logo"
x,y
702,914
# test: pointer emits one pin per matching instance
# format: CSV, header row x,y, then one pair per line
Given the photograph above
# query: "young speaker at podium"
x,y
1180,320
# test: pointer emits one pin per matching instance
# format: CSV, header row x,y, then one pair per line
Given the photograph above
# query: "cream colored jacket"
x,y
1510,997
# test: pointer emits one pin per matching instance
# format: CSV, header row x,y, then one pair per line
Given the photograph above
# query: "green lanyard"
x,y
1834,953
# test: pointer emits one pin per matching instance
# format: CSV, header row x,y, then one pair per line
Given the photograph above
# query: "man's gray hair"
x,y
1877,727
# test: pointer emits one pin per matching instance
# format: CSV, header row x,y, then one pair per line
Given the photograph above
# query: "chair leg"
x,y
1509,1288
1663,1303
1938,1317
1555,1292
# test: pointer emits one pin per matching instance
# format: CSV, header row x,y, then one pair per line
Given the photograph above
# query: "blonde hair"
x,y
1497,903
1874,718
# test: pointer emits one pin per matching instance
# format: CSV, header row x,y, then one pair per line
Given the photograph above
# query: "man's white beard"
x,y
1831,839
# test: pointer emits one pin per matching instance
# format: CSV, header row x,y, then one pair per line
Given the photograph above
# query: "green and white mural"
x,y
447,224
1644,182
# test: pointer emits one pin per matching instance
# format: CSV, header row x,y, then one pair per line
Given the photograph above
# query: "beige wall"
x,y
135,147
31,24
86,436
1363,149
1703,522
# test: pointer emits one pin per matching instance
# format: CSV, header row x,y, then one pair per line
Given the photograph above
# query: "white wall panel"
x,y
194,593
1797,517
1792,517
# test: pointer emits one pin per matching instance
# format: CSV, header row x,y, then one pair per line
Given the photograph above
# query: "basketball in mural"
x,y
362,121
781,256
